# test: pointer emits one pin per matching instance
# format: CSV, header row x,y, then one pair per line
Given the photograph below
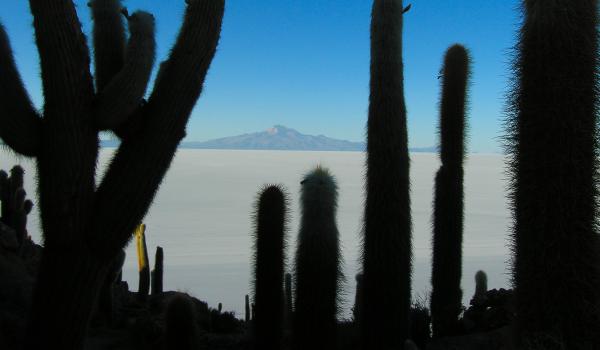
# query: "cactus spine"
x,y
270,217
553,143
446,295
86,224
387,249
157,273
317,264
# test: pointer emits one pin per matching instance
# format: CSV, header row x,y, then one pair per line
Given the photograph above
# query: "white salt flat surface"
x,y
202,217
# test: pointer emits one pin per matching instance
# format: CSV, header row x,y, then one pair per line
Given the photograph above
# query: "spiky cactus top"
x,y
317,263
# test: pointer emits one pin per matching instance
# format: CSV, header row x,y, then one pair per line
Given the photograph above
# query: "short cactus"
x,y
317,264
481,286
157,273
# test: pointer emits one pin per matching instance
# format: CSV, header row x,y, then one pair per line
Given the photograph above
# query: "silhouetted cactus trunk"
x,y
553,142
157,273
446,295
317,264
268,268
86,225
387,222
247,315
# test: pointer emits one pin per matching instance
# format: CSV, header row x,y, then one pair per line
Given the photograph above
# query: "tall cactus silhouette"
x,y
270,226
387,250
553,143
446,295
85,224
317,264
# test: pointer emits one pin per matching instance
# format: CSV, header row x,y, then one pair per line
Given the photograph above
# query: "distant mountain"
x,y
277,138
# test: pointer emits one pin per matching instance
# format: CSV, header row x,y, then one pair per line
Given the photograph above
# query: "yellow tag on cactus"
x,y
139,240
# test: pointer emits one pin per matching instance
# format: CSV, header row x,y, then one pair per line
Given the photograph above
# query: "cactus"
x,y
269,234
157,273
86,224
143,263
387,249
446,295
247,314
481,286
317,264
14,206
181,331
553,146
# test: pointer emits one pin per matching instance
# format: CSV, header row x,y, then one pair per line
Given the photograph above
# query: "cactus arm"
x,y
65,61
109,40
19,121
123,95
141,162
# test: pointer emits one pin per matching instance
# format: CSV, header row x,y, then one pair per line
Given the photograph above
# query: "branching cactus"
x,y
387,246
15,207
553,143
448,205
317,264
157,273
269,235
85,224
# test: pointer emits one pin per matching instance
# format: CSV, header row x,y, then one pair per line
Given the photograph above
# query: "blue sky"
x,y
305,64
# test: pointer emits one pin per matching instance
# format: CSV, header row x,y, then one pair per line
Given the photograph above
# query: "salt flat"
x,y
202,217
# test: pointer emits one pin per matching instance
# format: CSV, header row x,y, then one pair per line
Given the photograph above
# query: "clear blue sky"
x,y
305,64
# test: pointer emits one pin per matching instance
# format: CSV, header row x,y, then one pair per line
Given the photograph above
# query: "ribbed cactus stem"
x,y
448,204
269,235
317,264
157,273
387,246
553,143
109,40
117,101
